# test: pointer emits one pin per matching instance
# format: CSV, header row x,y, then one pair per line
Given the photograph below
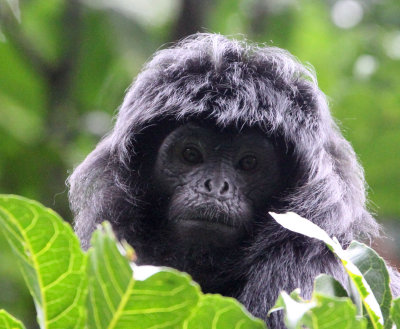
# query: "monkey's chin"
x,y
206,233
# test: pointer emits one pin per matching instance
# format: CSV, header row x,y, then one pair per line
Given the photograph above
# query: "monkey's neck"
x,y
213,269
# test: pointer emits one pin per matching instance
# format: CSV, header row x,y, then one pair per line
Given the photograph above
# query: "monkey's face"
x,y
214,181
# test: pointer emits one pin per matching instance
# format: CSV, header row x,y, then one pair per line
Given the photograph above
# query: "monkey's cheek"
x,y
206,234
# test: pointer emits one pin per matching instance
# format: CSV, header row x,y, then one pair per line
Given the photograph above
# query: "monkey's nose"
x,y
216,187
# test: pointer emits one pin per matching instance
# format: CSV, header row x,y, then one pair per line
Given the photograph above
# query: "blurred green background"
x,y
65,64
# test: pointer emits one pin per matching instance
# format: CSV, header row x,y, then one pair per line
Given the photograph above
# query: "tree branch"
x,y
191,18
24,46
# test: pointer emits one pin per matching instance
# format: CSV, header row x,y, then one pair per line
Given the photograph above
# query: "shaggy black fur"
x,y
229,83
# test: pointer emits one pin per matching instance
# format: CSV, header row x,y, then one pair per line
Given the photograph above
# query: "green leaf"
x,y
374,270
321,312
117,300
7,321
333,313
50,258
215,311
395,312
298,224
326,285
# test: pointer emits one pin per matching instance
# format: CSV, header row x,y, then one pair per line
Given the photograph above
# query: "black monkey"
x,y
212,135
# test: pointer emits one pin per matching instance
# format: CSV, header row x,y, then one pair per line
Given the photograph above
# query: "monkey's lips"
x,y
211,232
208,224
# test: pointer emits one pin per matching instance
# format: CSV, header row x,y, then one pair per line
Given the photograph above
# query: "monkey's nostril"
x,y
224,188
208,185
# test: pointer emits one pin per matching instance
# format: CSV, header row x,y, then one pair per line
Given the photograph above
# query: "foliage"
x,y
330,305
99,289
103,289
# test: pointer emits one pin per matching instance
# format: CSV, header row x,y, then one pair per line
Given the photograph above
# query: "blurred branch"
x,y
60,107
27,50
259,17
59,77
191,18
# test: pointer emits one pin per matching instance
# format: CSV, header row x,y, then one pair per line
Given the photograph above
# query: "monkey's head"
x,y
212,182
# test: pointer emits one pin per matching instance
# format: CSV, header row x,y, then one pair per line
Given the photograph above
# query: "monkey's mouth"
x,y
207,223
206,227
206,233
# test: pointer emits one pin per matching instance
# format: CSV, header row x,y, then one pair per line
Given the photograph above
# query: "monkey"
x,y
213,134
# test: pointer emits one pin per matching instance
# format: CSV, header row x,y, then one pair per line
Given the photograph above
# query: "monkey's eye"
x,y
192,155
247,163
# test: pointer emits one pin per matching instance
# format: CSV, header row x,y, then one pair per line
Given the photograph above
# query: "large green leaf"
x,y
296,223
374,270
7,321
50,258
395,312
117,300
152,297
